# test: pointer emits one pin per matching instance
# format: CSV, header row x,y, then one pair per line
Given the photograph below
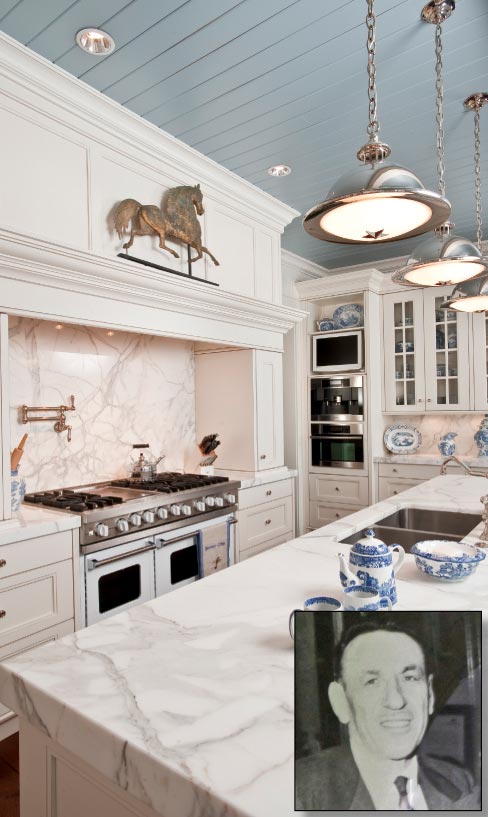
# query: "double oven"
x,y
136,569
337,422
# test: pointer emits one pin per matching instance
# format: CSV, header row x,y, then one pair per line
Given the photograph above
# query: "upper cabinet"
x,y
239,395
427,354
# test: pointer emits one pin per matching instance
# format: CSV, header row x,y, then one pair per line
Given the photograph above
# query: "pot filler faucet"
x,y
473,472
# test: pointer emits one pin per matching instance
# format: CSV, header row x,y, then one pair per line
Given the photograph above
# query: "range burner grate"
x,y
68,500
169,483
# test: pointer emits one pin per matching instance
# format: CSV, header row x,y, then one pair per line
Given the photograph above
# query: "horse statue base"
x,y
168,269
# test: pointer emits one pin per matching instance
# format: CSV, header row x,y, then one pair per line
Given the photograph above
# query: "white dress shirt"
x,y
379,777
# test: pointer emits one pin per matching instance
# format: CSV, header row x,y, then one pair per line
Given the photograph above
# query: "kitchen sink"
x,y
410,525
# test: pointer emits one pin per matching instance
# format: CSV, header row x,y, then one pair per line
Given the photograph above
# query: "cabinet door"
x,y
480,361
269,409
446,353
404,351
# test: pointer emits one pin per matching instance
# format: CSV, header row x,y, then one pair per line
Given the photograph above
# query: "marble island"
x,y
183,707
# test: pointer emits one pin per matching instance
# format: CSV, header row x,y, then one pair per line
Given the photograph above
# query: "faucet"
x,y
474,472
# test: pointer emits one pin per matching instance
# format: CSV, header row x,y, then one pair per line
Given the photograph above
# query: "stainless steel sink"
x,y
442,522
410,525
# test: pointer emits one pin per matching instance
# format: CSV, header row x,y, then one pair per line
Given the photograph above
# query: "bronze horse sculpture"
x,y
176,220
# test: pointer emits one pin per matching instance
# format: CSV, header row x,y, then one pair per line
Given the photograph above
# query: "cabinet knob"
x,y
429,400
338,516
268,522
262,457
2,562
337,488
420,400
395,492
268,493
395,470
3,613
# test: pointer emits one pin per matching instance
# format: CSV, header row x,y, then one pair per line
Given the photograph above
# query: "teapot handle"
x,y
399,561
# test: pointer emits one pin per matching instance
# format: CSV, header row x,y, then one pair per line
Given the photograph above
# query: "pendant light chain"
x,y
439,86
477,176
373,126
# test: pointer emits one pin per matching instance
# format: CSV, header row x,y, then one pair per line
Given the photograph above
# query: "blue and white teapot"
x,y
371,564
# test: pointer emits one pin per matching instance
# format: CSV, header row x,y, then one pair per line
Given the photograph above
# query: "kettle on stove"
x,y
143,464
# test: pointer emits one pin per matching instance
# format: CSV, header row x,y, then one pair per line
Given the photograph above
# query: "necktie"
x,y
401,784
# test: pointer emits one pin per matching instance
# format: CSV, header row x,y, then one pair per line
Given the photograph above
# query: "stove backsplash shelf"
x,y
59,417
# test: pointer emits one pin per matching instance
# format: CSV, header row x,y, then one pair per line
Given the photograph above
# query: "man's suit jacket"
x,y
330,780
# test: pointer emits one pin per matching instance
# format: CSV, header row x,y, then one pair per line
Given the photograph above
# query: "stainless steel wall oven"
x,y
337,422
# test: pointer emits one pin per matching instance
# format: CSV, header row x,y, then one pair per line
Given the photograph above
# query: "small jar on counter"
x,y
17,490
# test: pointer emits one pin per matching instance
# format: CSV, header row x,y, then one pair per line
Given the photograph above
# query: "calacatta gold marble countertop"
x,y
187,701
31,521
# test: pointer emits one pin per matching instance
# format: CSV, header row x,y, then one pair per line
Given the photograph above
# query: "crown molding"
x,y
51,91
370,279
64,273
296,265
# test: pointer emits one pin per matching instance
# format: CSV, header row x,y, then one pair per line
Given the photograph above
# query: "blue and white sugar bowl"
x,y
17,490
371,564
447,446
481,437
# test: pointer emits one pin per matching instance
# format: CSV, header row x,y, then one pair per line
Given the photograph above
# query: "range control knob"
x,y
101,529
231,499
186,510
162,513
219,501
135,519
200,505
175,510
122,525
210,501
148,517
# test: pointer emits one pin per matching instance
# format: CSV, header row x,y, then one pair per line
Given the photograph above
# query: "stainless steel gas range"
x,y
140,539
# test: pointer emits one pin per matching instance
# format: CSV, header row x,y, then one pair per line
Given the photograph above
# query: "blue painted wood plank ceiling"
x,y
257,82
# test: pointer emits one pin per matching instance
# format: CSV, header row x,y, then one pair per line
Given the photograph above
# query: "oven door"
x,y
336,446
118,578
179,554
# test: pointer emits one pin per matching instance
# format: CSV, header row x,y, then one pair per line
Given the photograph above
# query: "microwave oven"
x,y
337,351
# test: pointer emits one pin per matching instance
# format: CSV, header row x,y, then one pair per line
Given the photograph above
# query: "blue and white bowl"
x,y
326,325
449,561
349,316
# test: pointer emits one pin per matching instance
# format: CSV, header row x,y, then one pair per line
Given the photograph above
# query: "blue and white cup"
x,y
359,597
316,604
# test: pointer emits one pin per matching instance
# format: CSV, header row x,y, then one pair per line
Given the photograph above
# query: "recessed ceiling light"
x,y
110,334
59,326
279,170
95,41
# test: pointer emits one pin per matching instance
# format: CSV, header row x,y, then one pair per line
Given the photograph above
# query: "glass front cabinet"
x,y
480,360
426,353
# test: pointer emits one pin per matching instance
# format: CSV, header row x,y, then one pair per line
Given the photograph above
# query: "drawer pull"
x,y
262,457
337,488
3,613
268,493
338,516
395,470
268,522
2,562
395,492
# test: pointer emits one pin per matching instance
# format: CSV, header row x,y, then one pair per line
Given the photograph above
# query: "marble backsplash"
x,y
128,389
434,426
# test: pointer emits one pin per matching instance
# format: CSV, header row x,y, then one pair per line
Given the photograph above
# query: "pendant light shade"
x,y
470,296
440,260
377,202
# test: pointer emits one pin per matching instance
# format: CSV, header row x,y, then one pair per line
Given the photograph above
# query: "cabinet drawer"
x,y
32,553
28,643
267,521
267,545
249,497
34,600
420,472
350,490
323,514
391,487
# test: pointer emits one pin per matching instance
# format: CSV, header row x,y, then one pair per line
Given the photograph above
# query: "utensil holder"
x,y
17,485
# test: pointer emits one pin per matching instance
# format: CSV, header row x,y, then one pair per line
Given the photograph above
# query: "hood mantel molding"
x,y
55,282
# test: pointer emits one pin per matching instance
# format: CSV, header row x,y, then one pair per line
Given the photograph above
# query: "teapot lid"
x,y
370,545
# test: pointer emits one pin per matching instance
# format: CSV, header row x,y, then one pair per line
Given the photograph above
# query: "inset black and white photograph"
x,y
388,711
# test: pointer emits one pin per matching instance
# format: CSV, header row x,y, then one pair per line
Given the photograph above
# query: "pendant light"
x,y
443,258
378,202
472,295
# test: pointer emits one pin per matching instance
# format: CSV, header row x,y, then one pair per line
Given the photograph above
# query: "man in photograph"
x,y
383,693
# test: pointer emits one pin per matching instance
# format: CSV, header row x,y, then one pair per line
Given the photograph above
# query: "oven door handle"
x,y
93,564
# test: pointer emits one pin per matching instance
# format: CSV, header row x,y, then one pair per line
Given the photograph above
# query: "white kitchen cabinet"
x,y
265,517
332,497
239,395
393,478
426,353
480,360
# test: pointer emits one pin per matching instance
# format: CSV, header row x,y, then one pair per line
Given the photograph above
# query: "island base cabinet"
x,y
55,783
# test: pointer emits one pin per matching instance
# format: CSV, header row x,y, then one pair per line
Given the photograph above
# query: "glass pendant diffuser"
x,y
472,295
443,258
378,202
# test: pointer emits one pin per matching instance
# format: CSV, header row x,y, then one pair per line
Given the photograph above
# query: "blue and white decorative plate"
x,y
349,316
326,325
402,439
